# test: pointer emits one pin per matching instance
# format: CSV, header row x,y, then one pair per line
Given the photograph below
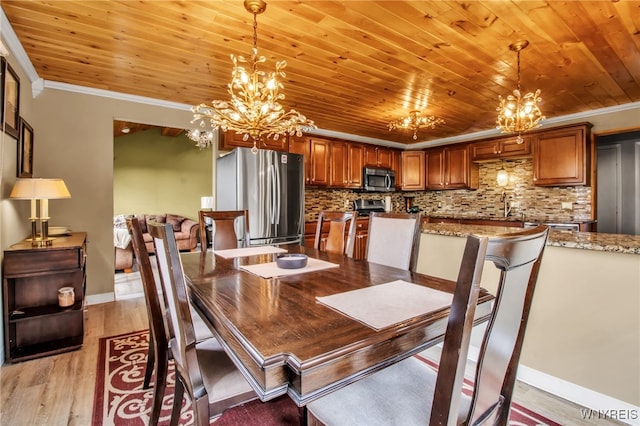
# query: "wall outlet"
x,y
567,205
515,204
347,203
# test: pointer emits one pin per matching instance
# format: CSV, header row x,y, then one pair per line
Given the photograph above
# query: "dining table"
x,y
273,324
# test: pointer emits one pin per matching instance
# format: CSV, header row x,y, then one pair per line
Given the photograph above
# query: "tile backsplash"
x,y
534,203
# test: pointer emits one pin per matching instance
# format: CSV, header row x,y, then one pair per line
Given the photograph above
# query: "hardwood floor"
x,y
58,390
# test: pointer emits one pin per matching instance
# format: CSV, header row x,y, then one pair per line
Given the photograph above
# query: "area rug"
x,y
119,399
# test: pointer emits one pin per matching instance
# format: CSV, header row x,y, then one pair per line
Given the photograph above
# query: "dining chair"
x,y
393,239
411,393
211,380
158,353
224,233
342,232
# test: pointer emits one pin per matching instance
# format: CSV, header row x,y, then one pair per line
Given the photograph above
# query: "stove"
x,y
365,207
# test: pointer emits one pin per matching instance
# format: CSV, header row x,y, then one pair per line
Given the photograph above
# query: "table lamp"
x,y
44,190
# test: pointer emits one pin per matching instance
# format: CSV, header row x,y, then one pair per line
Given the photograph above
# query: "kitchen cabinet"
x,y
449,168
376,156
300,145
34,323
562,157
346,162
231,139
413,170
319,162
496,149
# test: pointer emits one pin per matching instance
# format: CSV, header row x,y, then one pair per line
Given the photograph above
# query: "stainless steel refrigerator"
x,y
270,185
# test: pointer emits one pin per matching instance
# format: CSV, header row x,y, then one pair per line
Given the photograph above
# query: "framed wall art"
x,y
25,151
10,106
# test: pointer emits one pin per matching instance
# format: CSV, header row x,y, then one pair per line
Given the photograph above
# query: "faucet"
x,y
505,200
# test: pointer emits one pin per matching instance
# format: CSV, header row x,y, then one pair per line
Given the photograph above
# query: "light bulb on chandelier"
x,y
254,110
519,113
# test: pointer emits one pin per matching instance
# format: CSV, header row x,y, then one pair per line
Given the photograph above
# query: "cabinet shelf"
x,y
52,347
27,313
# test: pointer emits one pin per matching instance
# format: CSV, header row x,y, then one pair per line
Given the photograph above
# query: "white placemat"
x,y
248,251
270,270
384,305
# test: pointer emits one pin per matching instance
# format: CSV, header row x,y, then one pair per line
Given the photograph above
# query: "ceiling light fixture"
x,y
254,109
517,113
416,121
202,138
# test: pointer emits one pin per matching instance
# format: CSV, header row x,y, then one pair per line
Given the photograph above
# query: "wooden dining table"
x,y
285,342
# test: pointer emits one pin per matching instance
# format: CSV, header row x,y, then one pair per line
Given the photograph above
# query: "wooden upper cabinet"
x,y
319,166
375,156
339,164
231,139
301,145
562,157
450,168
413,170
345,170
495,149
355,157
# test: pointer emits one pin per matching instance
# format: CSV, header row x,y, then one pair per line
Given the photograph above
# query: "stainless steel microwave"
x,y
378,180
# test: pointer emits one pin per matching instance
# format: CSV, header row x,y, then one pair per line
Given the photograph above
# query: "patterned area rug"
x,y
120,400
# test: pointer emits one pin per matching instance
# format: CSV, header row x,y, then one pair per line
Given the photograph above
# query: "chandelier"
x,y
415,121
518,113
254,109
202,138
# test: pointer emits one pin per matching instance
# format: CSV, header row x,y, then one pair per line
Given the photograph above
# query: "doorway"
x,y
618,208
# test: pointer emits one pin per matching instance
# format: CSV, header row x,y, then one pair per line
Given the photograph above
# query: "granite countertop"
x,y
617,243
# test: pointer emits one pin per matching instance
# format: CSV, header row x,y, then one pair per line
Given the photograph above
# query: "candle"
x,y
33,210
44,209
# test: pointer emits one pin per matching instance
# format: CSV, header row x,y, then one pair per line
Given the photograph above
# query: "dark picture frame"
x,y
25,151
10,105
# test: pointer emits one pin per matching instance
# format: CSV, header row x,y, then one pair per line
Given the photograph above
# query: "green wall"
x,y
157,174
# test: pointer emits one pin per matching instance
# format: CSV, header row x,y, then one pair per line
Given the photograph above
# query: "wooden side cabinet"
x,y
413,173
34,324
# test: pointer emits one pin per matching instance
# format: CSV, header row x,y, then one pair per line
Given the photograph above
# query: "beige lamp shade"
x,y
39,189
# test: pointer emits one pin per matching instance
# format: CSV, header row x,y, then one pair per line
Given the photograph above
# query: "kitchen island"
x,y
583,335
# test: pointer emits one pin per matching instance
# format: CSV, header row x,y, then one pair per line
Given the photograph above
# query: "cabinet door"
x,y
487,150
496,149
413,170
456,167
560,158
319,162
434,161
301,145
355,156
371,156
510,148
385,158
338,169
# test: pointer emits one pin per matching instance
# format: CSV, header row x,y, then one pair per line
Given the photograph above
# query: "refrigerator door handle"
x,y
277,190
274,195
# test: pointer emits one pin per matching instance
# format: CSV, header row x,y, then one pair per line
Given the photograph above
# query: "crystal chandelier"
x,y
253,110
415,121
202,138
518,113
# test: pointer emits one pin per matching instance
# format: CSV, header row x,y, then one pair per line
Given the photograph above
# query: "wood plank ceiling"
x,y
353,66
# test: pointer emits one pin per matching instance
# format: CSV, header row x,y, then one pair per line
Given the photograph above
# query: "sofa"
x,y
185,230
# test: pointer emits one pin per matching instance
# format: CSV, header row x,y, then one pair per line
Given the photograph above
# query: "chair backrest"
x,y
224,233
393,239
183,340
342,232
517,256
152,291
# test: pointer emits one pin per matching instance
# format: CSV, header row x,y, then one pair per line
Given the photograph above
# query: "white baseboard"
x,y
598,405
96,299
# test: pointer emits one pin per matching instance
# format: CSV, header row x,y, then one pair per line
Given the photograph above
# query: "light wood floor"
x,y
58,390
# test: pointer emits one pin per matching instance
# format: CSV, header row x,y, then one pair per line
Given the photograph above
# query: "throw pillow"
x,y
175,221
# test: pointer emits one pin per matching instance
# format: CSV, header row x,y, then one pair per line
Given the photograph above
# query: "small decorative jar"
x,y
66,297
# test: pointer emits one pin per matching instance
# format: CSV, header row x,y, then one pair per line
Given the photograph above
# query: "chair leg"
x,y
201,411
178,394
159,387
151,356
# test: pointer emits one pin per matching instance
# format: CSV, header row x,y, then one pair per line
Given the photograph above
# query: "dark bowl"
x,y
291,261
